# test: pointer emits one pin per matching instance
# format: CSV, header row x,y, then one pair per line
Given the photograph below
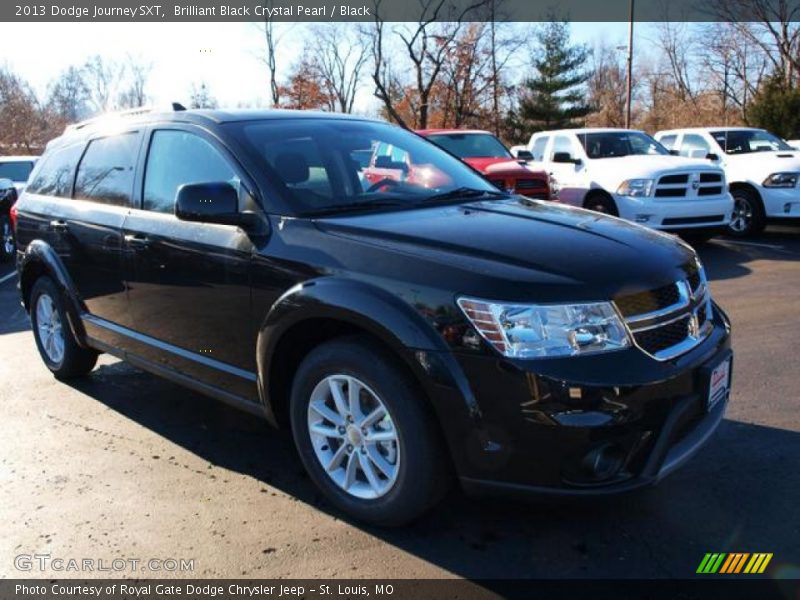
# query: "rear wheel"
x,y
57,346
364,435
601,203
8,244
748,214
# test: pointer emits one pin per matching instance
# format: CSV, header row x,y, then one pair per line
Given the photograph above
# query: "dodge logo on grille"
x,y
695,184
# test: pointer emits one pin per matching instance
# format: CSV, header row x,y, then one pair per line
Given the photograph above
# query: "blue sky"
x,y
224,55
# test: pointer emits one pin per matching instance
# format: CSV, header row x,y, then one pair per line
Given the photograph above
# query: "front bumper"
x,y
781,203
598,425
676,214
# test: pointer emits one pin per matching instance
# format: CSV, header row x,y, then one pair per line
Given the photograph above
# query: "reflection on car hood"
x,y
526,242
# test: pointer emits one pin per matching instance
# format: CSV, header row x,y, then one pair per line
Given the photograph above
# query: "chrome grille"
x,y
668,321
689,185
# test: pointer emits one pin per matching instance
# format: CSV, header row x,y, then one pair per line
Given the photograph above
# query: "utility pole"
x,y
630,68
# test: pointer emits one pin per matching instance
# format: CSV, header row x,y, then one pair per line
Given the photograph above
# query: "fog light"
x,y
603,462
642,218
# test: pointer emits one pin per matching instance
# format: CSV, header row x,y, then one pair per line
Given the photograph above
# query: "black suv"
x,y
409,330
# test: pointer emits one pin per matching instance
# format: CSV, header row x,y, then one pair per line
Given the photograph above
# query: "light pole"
x,y
630,68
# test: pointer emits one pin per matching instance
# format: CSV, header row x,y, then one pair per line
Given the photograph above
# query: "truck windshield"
x,y
471,145
613,144
329,165
745,141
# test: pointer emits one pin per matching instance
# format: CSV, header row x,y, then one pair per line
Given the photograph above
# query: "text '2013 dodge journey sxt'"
x,y
410,333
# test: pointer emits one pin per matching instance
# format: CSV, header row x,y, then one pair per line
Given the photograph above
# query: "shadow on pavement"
x,y
738,494
727,258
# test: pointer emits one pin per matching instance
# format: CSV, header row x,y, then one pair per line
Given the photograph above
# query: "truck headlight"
x,y
781,180
546,330
636,188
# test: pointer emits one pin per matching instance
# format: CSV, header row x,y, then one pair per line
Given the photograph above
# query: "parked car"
x,y
484,152
762,170
14,172
407,334
627,173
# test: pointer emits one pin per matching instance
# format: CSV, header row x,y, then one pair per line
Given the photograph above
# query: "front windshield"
x,y
17,171
745,141
471,145
327,165
613,144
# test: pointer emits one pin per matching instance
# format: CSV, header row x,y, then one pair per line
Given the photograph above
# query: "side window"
x,y
539,144
55,172
105,173
178,157
562,144
694,146
668,141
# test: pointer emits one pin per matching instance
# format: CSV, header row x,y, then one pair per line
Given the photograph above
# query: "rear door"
x,y
189,283
568,177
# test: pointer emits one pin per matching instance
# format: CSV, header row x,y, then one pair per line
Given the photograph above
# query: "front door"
x,y
189,283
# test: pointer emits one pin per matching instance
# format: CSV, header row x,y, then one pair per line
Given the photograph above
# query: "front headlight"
x,y
781,180
546,330
636,188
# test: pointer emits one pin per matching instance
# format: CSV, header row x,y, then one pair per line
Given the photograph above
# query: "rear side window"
x,y
107,168
176,158
668,141
54,174
539,144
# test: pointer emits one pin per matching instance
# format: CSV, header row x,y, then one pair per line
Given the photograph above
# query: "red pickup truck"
x,y
484,152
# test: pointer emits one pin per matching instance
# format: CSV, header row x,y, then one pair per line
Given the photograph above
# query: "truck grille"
x,y
688,185
668,321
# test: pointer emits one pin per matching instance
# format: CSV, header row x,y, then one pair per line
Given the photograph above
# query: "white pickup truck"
x,y
762,170
628,174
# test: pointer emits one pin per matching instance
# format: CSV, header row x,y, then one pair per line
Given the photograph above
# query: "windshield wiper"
x,y
463,192
357,206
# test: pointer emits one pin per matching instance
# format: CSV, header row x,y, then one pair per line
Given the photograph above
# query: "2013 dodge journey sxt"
x,y
410,332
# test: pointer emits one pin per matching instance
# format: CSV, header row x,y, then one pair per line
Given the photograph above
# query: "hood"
x,y
518,250
762,164
493,164
646,166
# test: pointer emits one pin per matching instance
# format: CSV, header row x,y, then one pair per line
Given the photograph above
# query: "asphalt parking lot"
x,y
125,465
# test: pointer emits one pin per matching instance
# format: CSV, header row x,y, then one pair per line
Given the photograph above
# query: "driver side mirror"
x,y
674,152
524,155
211,203
712,156
565,157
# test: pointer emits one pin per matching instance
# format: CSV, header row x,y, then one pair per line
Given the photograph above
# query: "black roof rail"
x,y
133,112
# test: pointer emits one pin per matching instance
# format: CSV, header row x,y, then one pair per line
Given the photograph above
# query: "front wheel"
x,y
601,203
8,246
57,346
748,214
364,435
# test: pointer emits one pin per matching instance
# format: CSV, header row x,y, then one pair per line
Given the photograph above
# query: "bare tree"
x,y
26,126
338,56
273,35
677,44
426,45
102,78
68,96
771,25
200,96
607,88
135,95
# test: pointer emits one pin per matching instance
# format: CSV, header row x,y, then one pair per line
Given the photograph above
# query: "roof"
x,y
709,129
585,130
20,158
467,131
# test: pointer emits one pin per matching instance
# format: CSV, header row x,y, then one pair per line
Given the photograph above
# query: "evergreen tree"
x,y
776,108
555,97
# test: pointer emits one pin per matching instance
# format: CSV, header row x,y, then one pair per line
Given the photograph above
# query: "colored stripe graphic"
x,y
711,562
758,563
734,562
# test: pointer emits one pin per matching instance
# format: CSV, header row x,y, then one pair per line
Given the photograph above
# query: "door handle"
x,y
139,241
59,226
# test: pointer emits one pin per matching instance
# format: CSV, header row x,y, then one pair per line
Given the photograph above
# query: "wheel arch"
x,y
318,311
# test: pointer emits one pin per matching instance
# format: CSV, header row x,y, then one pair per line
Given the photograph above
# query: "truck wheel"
x,y
601,203
748,214
364,435
57,346
8,244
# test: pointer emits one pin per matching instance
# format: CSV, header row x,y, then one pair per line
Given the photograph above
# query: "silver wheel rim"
x,y
8,238
48,324
353,436
742,215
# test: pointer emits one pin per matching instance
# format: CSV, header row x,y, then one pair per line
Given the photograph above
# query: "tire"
x,y
748,214
414,473
601,203
57,346
8,245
